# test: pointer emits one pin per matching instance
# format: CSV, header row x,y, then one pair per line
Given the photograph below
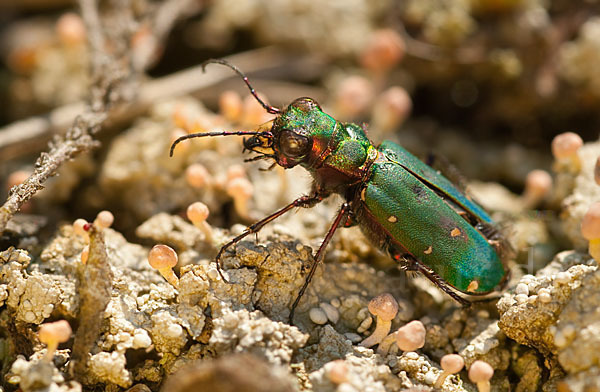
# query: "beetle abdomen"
x,y
413,217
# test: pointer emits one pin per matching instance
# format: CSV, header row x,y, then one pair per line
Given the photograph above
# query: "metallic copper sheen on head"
x,y
306,104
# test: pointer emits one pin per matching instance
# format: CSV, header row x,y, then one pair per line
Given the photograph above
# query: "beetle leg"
x,y
303,201
350,219
440,283
340,217
407,262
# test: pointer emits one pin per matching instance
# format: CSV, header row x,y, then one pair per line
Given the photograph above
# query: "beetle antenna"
x,y
204,134
268,108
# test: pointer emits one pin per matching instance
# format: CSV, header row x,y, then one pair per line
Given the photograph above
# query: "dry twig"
x,y
110,71
24,137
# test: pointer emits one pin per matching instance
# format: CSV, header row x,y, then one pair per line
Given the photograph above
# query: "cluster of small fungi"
x,y
407,338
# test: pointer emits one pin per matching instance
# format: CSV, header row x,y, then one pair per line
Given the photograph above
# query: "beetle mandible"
x,y
402,205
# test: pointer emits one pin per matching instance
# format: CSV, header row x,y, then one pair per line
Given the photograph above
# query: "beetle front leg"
x,y
303,201
341,216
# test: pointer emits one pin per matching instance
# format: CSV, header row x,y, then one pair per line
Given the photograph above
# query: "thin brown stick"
x,y
27,136
109,74
78,138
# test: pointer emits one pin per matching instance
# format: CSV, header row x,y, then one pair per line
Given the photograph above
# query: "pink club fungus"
x,y
481,373
235,171
564,148
16,178
253,113
337,371
197,213
71,29
241,191
354,95
196,175
411,337
391,109
231,106
79,229
590,229
52,334
451,364
385,308
597,171
385,48
104,219
85,254
538,184
164,258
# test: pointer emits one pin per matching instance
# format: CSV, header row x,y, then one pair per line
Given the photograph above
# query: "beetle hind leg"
x,y
407,262
442,285
410,264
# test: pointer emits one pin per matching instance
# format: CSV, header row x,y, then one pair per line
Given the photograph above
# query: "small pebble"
x,y
30,317
521,298
353,337
141,340
522,288
337,371
569,331
430,378
345,387
544,296
365,324
213,274
527,279
362,313
142,299
332,313
479,348
174,331
483,314
411,355
560,340
532,286
47,310
23,257
562,278
318,316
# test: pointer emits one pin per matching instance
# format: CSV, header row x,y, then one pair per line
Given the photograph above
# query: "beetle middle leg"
x,y
340,217
303,201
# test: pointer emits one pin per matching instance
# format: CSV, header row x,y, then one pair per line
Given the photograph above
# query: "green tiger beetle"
x,y
402,205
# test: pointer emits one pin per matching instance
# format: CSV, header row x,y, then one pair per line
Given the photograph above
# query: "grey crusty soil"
x,y
545,328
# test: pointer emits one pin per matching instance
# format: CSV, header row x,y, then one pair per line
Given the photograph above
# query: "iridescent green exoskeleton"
x,y
401,204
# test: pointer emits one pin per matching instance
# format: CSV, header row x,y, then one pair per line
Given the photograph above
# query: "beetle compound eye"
x,y
293,145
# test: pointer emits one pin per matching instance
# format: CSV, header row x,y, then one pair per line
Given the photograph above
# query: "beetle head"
x,y
298,134
290,140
